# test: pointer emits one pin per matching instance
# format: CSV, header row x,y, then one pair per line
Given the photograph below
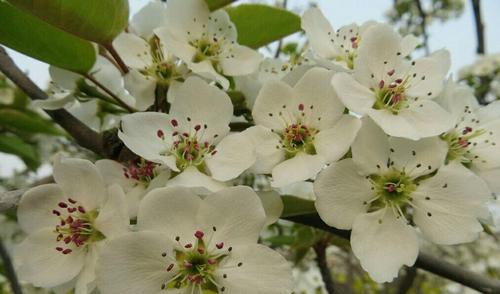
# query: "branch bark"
x,y
476,7
321,261
424,261
9,270
84,136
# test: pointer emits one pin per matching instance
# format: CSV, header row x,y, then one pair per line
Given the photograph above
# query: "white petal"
x,y
489,112
141,87
35,208
263,271
191,177
134,50
456,197
318,31
85,281
133,199
431,72
273,206
383,244
88,190
394,125
268,152
151,16
240,60
42,265
55,103
171,211
408,44
188,16
213,109
491,177
244,216
221,27
113,219
340,194
269,104
370,150
299,168
206,70
333,143
176,43
139,132
315,90
488,146
420,157
64,78
235,154
427,118
134,264
355,96
113,173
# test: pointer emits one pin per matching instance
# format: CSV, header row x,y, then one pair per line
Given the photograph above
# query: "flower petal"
x,y
85,281
113,173
383,243
206,70
273,205
176,42
64,78
370,150
244,216
35,208
134,50
318,31
262,271
408,44
235,154
141,87
151,16
341,193
191,177
240,60
333,143
55,102
430,74
188,16
133,263
269,104
267,149
221,27
301,167
113,218
427,118
355,96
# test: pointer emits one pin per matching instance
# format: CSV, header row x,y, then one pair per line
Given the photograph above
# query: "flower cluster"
x,y
394,149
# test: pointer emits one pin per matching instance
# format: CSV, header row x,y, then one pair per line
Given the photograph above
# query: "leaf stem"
x,y
121,64
110,93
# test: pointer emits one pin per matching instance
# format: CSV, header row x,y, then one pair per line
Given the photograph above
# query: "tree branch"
x,y
119,61
84,136
476,7
423,24
406,281
425,261
9,270
321,261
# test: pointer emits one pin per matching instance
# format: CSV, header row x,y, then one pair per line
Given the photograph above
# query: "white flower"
x,y
395,92
136,179
334,49
300,129
392,183
474,140
192,140
206,41
187,244
66,224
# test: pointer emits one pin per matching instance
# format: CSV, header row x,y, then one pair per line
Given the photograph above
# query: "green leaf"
x,y
216,4
33,37
99,21
259,25
294,206
14,145
28,122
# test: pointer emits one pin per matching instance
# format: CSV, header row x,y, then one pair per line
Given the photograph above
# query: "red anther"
x,y
353,39
56,212
67,251
71,209
188,245
170,267
463,142
185,135
71,201
381,84
391,72
301,107
67,240
399,81
174,123
354,45
220,245
188,264
201,251
69,219
160,134
467,130
175,134
62,205
390,188
81,209
59,249
393,85
63,223
197,127
199,234
214,152
396,98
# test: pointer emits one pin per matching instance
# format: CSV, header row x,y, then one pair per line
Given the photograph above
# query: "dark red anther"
x,y
188,245
81,209
67,251
199,234
391,72
71,201
170,267
174,123
381,84
220,245
160,134
197,128
301,107
56,212
62,205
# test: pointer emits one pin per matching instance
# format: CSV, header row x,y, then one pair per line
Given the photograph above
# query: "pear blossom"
x,y
66,224
192,140
185,246
335,49
300,129
474,140
395,92
135,178
206,41
391,184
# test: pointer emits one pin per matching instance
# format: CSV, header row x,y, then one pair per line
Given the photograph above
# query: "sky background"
x,y
457,35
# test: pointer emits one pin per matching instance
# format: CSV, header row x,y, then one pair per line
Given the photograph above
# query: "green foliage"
x,y
294,206
99,21
259,25
33,37
216,4
26,121
13,144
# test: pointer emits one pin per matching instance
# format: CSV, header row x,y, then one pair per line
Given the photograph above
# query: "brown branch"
x,y
406,281
424,261
321,260
9,270
476,7
119,61
84,136
110,93
423,24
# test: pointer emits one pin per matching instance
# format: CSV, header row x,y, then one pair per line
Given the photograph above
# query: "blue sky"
x,y
456,35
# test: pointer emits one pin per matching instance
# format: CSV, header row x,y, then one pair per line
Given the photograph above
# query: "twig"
x,y
121,64
321,260
425,261
9,270
280,42
476,7
406,281
84,136
423,24
110,93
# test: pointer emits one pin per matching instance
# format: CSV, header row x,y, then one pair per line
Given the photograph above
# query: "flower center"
x,y
394,189
460,144
143,171
76,226
195,265
206,49
163,69
391,95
